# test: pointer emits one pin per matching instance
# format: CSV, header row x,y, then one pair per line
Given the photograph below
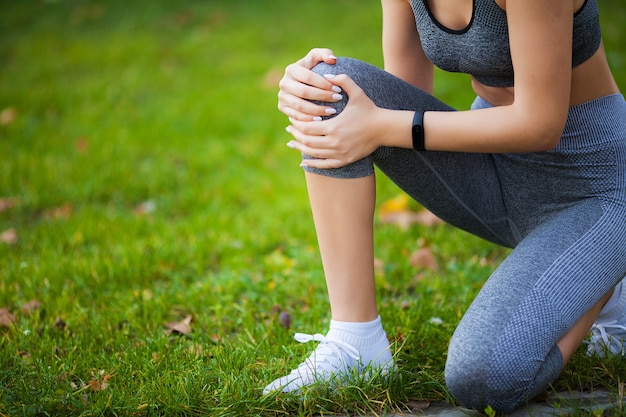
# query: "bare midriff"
x,y
590,80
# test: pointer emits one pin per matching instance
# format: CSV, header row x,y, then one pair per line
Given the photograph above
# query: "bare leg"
x,y
343,211
570,342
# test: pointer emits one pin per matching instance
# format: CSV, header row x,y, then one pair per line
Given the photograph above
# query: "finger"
x,y
301,89
344,82
317,55
306,150
301,110
315,146
315,128
303,82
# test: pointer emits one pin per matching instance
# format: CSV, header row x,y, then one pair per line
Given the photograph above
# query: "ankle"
x,y
368,338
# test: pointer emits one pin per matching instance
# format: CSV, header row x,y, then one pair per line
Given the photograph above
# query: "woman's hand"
x,y
341,140
300,84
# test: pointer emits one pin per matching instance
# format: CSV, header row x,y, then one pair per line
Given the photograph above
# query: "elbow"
x,y
544,133
548,141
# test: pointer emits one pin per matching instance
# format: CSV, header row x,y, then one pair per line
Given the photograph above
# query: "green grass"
x,y
149,179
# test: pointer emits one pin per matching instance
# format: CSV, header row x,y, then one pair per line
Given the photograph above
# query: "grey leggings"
x,y
563,212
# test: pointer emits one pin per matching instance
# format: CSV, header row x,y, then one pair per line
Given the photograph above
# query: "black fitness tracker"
x,y
418,131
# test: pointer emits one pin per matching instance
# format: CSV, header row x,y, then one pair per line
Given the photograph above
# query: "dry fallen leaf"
x,y
427,218
8,116
9,236
61,212
6,318
31,307
146,207
81,144
7,203
59,323
180,327
424,258
100,383
396,211
284,319
418,405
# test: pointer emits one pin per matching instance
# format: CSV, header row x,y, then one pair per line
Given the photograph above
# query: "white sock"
x,y
368,337
615,307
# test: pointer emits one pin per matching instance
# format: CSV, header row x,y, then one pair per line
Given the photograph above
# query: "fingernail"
x,y
337,97
332,56
304,165
329,76
336,89
330,110
317,119
288,129
291,145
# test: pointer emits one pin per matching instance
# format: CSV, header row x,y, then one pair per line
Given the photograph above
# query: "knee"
x,y
477,383
344,65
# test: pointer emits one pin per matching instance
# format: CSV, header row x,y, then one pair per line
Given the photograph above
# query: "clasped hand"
x,y
333,142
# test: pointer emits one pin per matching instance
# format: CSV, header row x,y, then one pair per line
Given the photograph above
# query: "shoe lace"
x,y
601,333
330,351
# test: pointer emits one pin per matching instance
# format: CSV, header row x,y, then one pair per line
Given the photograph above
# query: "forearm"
x,y
493,130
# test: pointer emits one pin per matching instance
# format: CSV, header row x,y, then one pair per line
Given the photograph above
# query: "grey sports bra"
x,y
482,48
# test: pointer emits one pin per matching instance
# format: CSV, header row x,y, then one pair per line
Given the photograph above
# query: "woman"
x,y
538,164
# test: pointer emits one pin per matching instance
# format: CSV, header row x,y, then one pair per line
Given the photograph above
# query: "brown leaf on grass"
x,y
8,116
427,218
100,382
87,13
146,207
396,211
25,357
9,236
30,307
61,212
7,203
379,266
418,405
424,258
59,323
6,318
183,18
81,144
406,218
180,327
284,319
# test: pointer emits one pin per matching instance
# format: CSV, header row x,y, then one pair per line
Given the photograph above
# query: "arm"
x,y
541,43
402,49
541,47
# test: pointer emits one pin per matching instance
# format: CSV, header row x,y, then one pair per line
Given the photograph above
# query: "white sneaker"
x,y
333,359
608,333
607,338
